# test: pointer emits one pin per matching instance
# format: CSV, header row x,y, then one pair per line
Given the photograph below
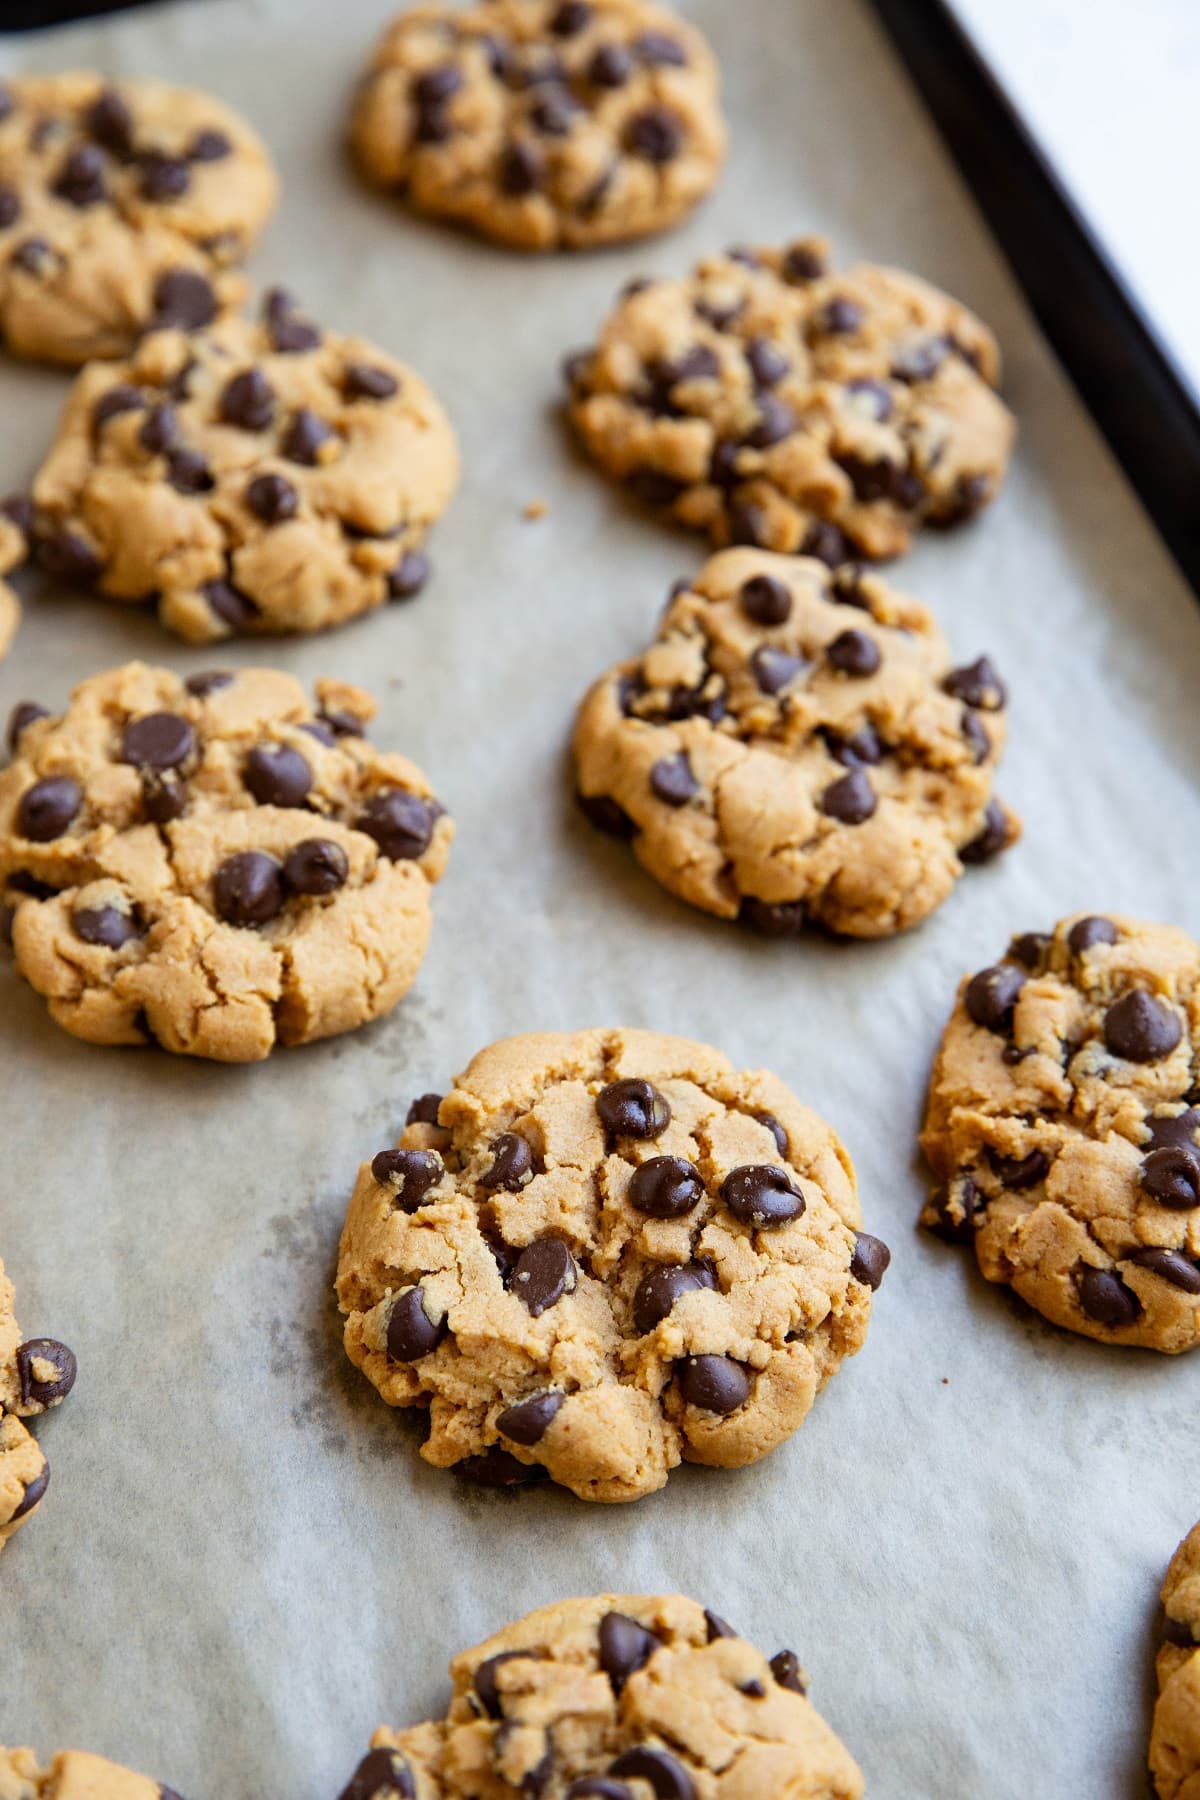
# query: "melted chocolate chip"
x,y
45,810
625,1647
850,800
248,888
33,1493
658,50
714,1383
776,421
768,365
633,1108
289,333
654,134
23,714
189,473
411,1333
497,1468
766,600
183,300
672,781
921,359
957,1227
1171,1175
529,1420
863,748
107,927
977,684
1087,932
870,1260
512,1163
1105,1298
1019,1172
604,813
400,823
164,796
53,1381
519,171
1031,949
774,670
827,543
1141,1028
1171,1265
227,604
854,653
544,1273
277,775
315,866
424,1110
80,181
486,1686
68,557
610,66
840,316
802,263
10,206
363,381
437,85
409,1174
666,1187
785,1667
109,120
381,1775
661,1288
991,996
208,146
160,740
164,177
991,840
777,919
717,1626
248,401
667,1778
409,575
272,498
304,438
763,1195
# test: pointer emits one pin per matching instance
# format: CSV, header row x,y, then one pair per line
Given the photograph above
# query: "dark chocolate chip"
x,y
400,823
529,1420
773,918
776,1130
45,1389
1019,1172
977,684
364,381
105,926
554,112
208,146
248,888
666,1187
381,1775
753,1689
272,498
1141,1028
991,996
863,747
768,364
109,120
654,134
672,781
850,800
189,473
1171,1175
785,1667
1170,1265
164,177
208,681
1031,949
304,437
315,866
437,85
871,397
47,808
877,480
854,653
714,1383
289,333
625,1647
497,1468
1175,1128
827,543
633,1108
227,604
1093,930
766,600
840,316
802,263
659,50
667,1778
975,736
512,1163
160,740
341,723
971,495
485,1683
184,300
424,1110
409,1174
604,813
544,1273
519,171
80,181
158,430
409,575
957,1228
1105,1298
10,206
659,1290
67,557
248,401
921,359
655,486
33,1493
164,796
870,1260
572,17
717,1626
776,421
763,1195
23,714
991,840
411,1333
610,67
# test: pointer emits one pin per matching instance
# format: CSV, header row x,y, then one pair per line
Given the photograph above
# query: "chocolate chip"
x,y
723,473
288,332
10,206
315,866
109,120
655,486
977,684
48,807
424,1110
158,430
544,1273
672,781
33,1493
189,473
773,918
409,575
774,670
572,17
854,653
667,1779
610,67
633,1108
1171,1266
248,401
105,926
802,263
956,1227
768,364
304,437
971,495
862,747
341,723
1175,1631
208,146
714,1383
991,840
409,1174
497,1468
164,796
975,736
231,607
1019,1172
23,714
272,498
872,398
512,1163
529,1420
1175,1128
400,823
785,1667
827,543
184,300
753,1689
248,888
554,112
625,1647
876,480
519,171
604,813
164,177
840,316
666,1187
45,1389
763,1195
776,420
717,1626
1171,1175
485,1683
661,1288
870,1260
1031,949
921,359
850,800
766,600
411,1333
80,181
34,256
1094,930
160,740
437,85
1105,1298
381,1775
1141,1028
655,134
991,996
67,557
363,381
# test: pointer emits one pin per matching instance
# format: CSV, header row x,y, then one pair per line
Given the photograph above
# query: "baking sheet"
x,y
242,1566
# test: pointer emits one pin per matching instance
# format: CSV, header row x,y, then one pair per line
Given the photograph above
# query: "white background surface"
x,y
242,1567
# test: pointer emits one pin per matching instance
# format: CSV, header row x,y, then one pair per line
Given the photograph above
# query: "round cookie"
x,y
35,1374
1063,1133
767,401
796,747
614,1698
73,1775
258,477
212,864
1175,1732
548,124
602,1252
122,207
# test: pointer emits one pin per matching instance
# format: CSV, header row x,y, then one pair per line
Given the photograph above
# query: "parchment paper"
x,y
242,1566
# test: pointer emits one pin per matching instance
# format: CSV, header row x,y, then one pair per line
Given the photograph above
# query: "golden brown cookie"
x,y
213,864
1175,1733
797,748
618,1697
549,124
16,518
1062,1131
35,1374
73,1775
122,207
766,400
265,477
602,1252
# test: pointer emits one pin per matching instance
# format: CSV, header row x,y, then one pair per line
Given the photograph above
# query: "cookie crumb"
x,y
535,509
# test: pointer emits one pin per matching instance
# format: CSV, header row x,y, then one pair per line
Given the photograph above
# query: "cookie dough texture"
x,y
545,125
258,477
796,747
35,1374
766,400
618,1697
121,207
1175,1733
602,1252
1063,1132
215,865
73,1775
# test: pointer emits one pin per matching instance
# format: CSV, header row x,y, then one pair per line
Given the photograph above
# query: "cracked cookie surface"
x,y
1175,1732
257,477
122,206
796,747
73,1775
213,864
35,1374
1063,1128
616,1697
543,124
766,400
603,1252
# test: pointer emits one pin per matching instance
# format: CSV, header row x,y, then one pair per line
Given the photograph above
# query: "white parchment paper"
x,y
242,1566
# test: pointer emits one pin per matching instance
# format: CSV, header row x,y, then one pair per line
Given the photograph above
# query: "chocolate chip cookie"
x,y
797,747
615,1698
264,477
1175,1733
1063,1128
768,401
35,1374
122,207
548,124
73,1775
16,516
214,864
602,1252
